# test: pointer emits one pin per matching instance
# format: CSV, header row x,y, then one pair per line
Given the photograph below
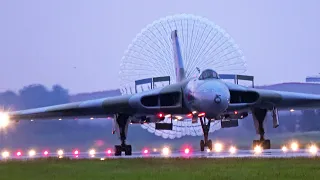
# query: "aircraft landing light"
x,y
4,120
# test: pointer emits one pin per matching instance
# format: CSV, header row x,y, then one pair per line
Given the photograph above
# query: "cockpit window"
x,y
208,74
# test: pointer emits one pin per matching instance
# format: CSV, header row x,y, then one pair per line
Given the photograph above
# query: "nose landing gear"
x,y
205,128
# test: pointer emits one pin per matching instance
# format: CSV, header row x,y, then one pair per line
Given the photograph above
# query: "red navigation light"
x,y
201,114
235,112
189,115
161,116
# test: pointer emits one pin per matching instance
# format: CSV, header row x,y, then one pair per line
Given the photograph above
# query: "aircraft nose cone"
x,y
213,98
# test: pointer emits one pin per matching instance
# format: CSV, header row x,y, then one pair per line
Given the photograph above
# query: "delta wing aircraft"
x,y
206,98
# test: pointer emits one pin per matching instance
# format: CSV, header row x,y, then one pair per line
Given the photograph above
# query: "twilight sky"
x,y
79,43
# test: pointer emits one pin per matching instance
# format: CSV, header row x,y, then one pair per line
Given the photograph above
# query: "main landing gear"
x,y
122,122
259,116
205,128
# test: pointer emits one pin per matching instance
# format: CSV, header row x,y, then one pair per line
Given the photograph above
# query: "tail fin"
x,y
179,68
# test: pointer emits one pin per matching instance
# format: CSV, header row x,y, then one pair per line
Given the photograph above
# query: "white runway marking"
x,y
272,153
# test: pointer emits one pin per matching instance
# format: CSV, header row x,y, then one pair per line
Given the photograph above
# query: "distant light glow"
x,y
167,116
284,148
166,151
155,149
294,146
232,150
91,118
218,147
291,110
4,120
60,153
208,150
92,152
179,117
60,119
32,153
5,154
313,149
201,114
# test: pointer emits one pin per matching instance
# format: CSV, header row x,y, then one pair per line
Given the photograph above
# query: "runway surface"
x,y
272,153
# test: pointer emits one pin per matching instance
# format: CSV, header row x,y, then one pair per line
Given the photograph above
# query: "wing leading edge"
x,y
92,108
269,99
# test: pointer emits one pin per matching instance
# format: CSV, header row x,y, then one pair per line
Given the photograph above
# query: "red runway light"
x,y
76,152
19,153
45,153
109,151
145,151
186,150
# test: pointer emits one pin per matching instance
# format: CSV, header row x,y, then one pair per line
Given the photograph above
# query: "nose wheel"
x,y
120,148
204,144
205,128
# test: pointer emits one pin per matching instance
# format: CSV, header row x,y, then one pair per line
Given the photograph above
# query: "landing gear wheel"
x,y
117,150
265,144
128,150
202,145
210,144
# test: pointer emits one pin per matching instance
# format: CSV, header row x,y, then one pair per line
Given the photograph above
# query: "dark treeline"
x,y
34,96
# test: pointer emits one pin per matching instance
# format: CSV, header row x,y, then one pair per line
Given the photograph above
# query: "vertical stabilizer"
x,y
179,68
